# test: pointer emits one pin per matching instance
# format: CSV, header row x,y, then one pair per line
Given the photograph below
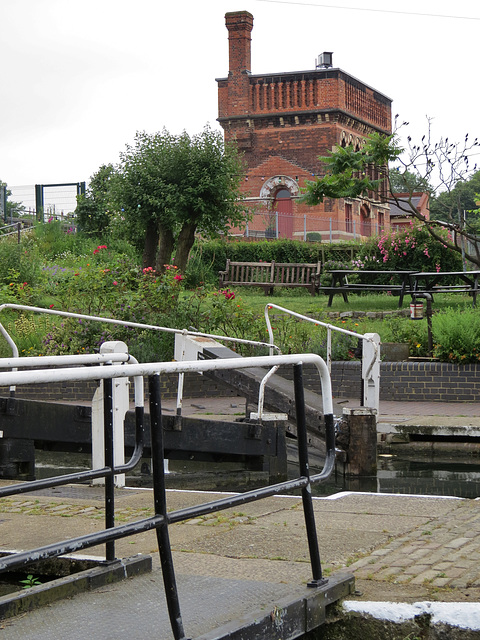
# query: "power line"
x,y
404,13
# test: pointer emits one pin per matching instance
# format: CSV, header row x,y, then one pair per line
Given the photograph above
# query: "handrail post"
x,y
371,371
317,579
109,480
120,395
160,500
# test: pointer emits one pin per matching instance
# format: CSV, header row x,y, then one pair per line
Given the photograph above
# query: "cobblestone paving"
x,y
37,507
444,553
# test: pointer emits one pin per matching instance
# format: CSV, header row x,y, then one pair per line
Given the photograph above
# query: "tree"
x,y
408,180
347,175
12,209
172,187
460,203
94,208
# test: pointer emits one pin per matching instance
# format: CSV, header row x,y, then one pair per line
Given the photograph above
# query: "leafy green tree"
x,y
170,187
407,181
461,203
347,175
95,208
13,209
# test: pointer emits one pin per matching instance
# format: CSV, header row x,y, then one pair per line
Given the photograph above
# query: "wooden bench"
x,y
269,275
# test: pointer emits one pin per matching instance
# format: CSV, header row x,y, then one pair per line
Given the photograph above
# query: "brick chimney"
x,y
236,100
239,25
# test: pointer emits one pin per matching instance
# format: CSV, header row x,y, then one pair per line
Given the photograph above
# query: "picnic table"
x,y
340,284
441,282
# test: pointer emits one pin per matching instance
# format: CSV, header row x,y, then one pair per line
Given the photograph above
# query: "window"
x,y
348,217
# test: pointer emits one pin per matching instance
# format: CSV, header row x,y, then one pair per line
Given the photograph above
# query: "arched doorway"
x,y
283,207
365,221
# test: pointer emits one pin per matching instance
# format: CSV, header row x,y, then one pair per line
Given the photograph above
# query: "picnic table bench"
x,y
446,282
269,275
340,283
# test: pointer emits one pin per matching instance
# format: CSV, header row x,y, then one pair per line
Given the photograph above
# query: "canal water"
x,y
458,477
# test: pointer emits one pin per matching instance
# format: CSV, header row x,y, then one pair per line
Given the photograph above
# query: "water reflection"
x,y
460,478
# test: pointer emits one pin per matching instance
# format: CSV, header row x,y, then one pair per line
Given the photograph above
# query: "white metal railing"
x,y
122,323
111,352
163,518
370,356
151,368
181,332
370,359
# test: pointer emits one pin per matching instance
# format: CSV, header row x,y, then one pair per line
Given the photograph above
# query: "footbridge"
x,y
112,368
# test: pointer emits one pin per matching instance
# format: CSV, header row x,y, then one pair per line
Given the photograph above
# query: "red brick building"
x,y
400,214
283,122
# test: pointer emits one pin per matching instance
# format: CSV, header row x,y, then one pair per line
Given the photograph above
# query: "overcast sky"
x,y
80,78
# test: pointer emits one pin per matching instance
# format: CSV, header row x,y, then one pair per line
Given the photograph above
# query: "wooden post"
x,y
362,449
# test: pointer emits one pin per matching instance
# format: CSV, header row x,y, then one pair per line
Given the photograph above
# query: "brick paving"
x,y
437,545
444,553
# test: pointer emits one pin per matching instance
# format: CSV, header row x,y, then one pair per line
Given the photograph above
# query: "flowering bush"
x,y
222,312
160,292
26,330
73,336
16,291
410,247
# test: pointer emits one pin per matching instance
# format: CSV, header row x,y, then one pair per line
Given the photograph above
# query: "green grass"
x,y
302,302
392,328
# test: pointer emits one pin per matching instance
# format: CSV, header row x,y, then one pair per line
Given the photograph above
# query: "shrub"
x,y
27,331
410,248
73,336
457,335
19,264
215,253
411,332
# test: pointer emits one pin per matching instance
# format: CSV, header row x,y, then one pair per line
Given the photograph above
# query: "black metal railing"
x,y
161,520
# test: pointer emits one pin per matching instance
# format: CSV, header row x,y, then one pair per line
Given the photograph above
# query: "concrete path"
x,y
390,411
399,548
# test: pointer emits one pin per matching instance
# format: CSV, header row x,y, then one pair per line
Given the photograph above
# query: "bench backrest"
x,y
249,271
299,273
280,272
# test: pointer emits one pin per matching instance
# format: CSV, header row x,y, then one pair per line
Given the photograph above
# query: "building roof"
x,y
420,201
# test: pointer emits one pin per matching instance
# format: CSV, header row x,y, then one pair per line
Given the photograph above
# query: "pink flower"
x,y
51,306
178,277
115,282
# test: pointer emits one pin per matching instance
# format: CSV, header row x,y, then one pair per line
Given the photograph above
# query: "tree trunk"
x,y
185,241
165,248
150,245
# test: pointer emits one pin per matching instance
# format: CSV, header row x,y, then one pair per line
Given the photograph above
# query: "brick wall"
x,y
283,122
195,386
416,381
419,381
